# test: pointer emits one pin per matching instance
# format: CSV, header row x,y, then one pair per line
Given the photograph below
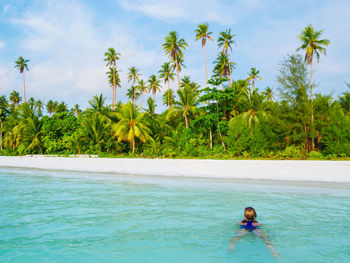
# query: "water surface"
x,y
54,216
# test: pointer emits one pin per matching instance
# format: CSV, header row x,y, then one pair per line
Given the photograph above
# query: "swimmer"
x,y
249,224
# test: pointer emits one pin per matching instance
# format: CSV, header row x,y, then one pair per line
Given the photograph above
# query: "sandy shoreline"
x,y
321,171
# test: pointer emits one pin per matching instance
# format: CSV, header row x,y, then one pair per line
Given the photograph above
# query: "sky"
x,y
65,42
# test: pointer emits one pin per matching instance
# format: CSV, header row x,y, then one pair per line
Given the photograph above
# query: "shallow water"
x,y
53,216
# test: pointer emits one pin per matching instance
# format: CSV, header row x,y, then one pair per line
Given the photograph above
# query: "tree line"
x,y
226,118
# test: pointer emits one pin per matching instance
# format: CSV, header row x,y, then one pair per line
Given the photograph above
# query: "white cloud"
x,y
66,52
195,11
2,45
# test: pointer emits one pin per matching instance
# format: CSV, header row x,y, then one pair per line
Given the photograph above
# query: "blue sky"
x,y
65,41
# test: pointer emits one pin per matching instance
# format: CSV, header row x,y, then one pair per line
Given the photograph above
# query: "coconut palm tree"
x,y
222,66
174,47
14,98
21,65
226,41
76,110
96,127
153,85
97,103
188,100
312,45
39,107
133,94
253,76
133,76
268,94
142,88
166,74
131,126
203,34
168,98
114,81
49,107
111,57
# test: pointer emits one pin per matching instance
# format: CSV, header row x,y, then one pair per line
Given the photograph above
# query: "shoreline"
x,y
282,170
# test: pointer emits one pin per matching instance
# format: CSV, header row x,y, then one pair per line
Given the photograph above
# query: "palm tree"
x,y
166,74
76,110
111,58
114,81
50,107
168,98
153,85
268,94
133,94
96,127
222,66
131,125
256,109
21,65
39,107
142,88
97,103
226,41
203,34
133,76
31,102
188,100
14,98
253,76
174,47
312,45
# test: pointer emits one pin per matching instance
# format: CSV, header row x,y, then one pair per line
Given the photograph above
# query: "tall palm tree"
x,y
174,47
226,41
76,110
203,34
131,125
133,76
168,98
153,85
166,74
114,81
21,65
268,94
111,57
312,45
14,98
50,107
253,76
142,88
188,100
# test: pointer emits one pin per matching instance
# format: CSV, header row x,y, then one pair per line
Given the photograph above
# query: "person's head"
x,y
250,214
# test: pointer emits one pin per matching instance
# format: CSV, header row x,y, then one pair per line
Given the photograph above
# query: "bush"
x,y
315,154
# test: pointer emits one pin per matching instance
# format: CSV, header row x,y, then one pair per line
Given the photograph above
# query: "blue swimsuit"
x,y
249,226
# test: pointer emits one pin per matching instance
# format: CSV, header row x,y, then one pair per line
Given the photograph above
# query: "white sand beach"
x,y
320,171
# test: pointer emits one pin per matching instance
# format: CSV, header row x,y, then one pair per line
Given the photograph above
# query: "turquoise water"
x,y
51,216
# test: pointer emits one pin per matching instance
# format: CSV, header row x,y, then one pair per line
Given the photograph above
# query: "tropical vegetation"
x,y
225,118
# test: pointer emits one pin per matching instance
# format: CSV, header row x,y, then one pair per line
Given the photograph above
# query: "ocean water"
x,y
54,216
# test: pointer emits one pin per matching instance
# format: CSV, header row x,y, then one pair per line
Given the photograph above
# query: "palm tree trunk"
x,y
133,145
253,85
24,89
229,67
312,105
114,89
133,100
211,138
141,100
154,98
186,120
178,74
205,65
168,95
